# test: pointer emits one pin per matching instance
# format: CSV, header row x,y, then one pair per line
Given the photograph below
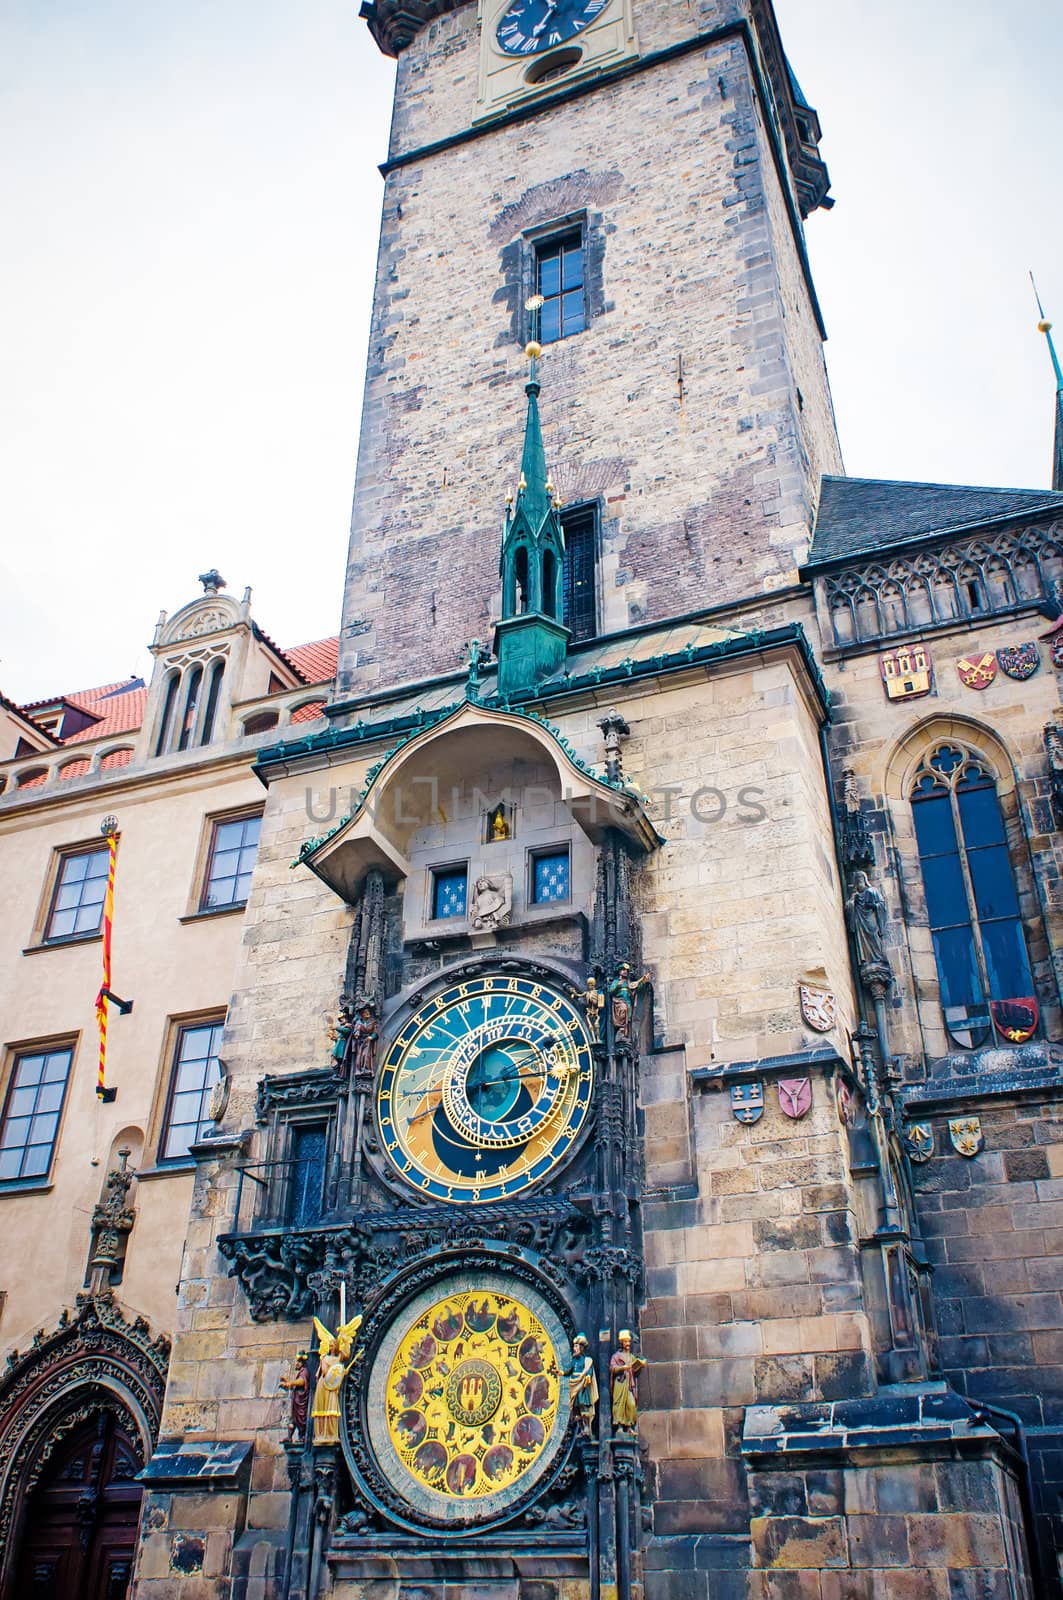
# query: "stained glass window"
x,y
551,877
77,900
31,1115
971,901
559,279
449,893
233,848
196,1070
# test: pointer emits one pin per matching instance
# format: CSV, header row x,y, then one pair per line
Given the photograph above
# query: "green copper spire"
x,y
1045,327
531,639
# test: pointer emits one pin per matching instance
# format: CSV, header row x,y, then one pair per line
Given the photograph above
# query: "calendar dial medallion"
x,y
485,1089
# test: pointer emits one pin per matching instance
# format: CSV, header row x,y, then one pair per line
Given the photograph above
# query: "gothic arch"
x,y
894,780
93,1361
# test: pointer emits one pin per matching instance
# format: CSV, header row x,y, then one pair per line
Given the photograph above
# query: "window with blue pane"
x,y
307,1177
971,900
31,1116
196,1069
450,893
233,848
551,877
559,279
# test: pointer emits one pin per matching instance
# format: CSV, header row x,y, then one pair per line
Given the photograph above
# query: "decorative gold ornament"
x,y
533,350
472,1394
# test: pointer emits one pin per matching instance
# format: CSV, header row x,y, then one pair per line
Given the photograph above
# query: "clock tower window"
x,y
559,279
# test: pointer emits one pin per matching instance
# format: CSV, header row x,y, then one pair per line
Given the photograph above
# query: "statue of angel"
x,y
333,1365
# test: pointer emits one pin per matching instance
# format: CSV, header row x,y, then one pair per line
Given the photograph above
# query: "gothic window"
x,y
195,1071
77,898
233,848
971,898
188,716
559,279
31,1113
166,720
450,892
551,877
579,579
520,568
217,672
306,1188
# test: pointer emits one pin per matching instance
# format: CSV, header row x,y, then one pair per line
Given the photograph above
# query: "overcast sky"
x,y
190,204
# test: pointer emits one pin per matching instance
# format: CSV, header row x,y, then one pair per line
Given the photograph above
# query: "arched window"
x,y
971,900
188,717
166,721
217,672
549,583
520,567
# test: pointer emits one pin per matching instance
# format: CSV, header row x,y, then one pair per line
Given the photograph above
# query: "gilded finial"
x,y
533,350
522,485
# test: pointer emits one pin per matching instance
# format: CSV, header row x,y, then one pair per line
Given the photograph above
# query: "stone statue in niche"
x,y
623,993
593,1006
492,902
340,1033
364,1034
866,913
624,1369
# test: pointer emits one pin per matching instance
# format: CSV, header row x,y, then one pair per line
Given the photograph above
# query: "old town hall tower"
x,y
655,952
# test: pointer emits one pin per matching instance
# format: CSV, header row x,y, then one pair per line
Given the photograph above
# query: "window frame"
x,y
54,883
19,1051
539,853
203,876
589,511
442,869
544,247
949,785
175,1032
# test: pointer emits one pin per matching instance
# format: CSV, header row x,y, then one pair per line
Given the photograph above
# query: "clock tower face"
x,y
529,26
485,1089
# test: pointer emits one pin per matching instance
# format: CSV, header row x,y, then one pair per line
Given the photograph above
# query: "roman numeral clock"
x,y
529,46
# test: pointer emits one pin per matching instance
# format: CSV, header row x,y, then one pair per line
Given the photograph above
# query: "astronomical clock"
x,y
459,1193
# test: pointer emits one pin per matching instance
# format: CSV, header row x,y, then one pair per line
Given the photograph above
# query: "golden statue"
x,y
499,825
333,1365
624,1369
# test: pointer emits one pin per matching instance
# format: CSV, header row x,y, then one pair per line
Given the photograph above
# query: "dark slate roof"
x,y
866,516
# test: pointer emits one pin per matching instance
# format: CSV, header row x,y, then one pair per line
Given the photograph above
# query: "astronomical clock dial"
x,y
528,26
467,1397
485,1089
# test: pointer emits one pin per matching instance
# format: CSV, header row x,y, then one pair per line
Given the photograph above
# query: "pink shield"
x,y
795,1097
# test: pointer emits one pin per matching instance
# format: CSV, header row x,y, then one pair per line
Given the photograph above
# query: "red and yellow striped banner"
x,y
103,998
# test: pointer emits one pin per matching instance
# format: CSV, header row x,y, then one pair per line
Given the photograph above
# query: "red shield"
x,y
977,672
795,1097
1016,1020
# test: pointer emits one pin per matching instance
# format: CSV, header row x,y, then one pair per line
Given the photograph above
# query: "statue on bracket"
x,y
365,1031
333,1365
623,994
340,1033
624,1369
593,1006
866,912
298,1386
498,828
583,1385
492,902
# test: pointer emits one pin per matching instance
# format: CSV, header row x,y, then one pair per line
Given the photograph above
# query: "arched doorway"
x,y
81,1518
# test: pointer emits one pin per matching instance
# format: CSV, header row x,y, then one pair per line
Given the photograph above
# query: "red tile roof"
x,y
317,661
309,712
122,714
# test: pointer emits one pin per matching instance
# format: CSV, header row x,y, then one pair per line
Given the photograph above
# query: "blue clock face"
x,y
485,1089
528,26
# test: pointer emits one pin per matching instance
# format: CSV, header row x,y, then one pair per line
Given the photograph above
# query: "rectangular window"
x,y
196,1069
77,899
307,1187
551,877
559,279
233,848
31,1115
580,524
449,893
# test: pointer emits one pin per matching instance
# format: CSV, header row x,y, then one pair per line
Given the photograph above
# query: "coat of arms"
x,y
818,1007
747,1102
966,1135
1019,661
906,671
919,1142
1015,1020
977,672
795,1097
1055,648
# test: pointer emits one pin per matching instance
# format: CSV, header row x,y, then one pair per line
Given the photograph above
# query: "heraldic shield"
x,y
1019,661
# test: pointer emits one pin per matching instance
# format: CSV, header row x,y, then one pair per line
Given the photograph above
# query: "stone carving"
x,y
623,995
1053,737
966,1136
333,1365
866,914
207,621
212,581
857,847
364,1035
819,1007
112,1221
583,1385
795,1097
624,1369
298,1385
363,982
278,1090
614,731
492,902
